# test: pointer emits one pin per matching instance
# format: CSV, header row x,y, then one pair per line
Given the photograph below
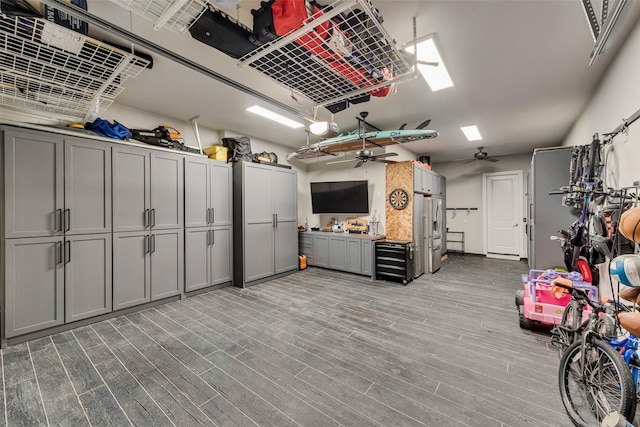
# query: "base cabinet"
x,y
87,273
131,269
354,256
52,280
338,253
367,257
34,284
350,253
320,251
166,249
208,259
147,266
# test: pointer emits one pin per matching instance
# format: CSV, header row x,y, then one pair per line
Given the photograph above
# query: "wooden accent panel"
x,y
399,223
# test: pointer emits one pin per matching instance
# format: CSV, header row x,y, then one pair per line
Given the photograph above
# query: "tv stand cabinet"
x,y
352,253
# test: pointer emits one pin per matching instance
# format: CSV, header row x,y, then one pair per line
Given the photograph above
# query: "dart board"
x,y
399,199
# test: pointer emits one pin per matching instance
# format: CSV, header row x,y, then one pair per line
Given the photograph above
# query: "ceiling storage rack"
x,y
48,68
174,15
340,53
329,63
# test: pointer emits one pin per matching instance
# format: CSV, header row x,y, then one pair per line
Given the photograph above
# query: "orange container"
x,y
302,261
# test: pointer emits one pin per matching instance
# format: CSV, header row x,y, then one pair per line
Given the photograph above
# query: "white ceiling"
x,y
520,70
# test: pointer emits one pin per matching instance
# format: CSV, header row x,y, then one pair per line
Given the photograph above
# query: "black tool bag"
x,y
239,149
218,30
263,29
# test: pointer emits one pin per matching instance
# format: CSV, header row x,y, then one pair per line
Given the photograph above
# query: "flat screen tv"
x,y
340,197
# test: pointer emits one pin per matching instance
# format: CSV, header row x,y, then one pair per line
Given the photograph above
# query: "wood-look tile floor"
x,y
316,348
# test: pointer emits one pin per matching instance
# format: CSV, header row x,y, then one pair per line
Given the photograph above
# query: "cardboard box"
x,y
64,19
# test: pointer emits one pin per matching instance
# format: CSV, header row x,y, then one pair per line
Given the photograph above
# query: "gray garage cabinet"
x,y
208,222
265,222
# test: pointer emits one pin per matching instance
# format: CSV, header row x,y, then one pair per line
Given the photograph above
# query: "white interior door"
x,y
503,213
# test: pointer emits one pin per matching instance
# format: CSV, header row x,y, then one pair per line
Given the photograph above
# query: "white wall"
x,y
464,190
617,97
373,172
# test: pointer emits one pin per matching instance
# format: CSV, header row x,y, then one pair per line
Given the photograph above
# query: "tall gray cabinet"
x,y
57,229
148,225
208,223
265,222
546,213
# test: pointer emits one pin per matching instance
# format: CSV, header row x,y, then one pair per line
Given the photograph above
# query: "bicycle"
x,y
594,379
585,184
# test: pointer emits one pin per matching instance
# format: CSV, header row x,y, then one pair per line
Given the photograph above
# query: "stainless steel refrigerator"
x,y
433,236
428,215
418,233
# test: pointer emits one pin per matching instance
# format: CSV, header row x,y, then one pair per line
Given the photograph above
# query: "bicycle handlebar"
x,y
579,294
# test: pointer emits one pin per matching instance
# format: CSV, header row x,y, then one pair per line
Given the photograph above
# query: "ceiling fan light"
x,y
324,129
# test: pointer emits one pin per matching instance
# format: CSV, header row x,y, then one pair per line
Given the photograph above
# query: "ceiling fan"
x,y
363,156
482,155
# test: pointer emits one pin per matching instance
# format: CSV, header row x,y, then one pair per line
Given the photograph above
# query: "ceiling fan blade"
x,y
360,163
491,159
341,161
386,161
423,124
469,161
381,156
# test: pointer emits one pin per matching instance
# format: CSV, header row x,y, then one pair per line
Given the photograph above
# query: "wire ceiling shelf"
x,y
340,52
49,68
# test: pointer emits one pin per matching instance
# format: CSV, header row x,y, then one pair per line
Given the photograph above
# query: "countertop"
x,y
341,234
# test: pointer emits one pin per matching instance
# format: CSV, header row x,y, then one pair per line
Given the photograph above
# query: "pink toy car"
x,y
538,306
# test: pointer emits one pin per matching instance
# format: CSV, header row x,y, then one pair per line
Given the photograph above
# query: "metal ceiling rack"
x,y
49,68
359,57
175,15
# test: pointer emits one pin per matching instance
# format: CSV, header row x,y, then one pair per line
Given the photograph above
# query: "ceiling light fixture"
x,y
256,109
430,63
471,132
324,129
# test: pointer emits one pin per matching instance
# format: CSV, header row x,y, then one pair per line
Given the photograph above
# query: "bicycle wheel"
x,y
571,318
603,385
594,159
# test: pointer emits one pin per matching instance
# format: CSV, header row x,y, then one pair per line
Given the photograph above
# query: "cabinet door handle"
x,y
57,219
153,243
153,217
67,219
276,220
67,252
213,215
145,218
213,238
58,251
146,244
208,217
207,237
